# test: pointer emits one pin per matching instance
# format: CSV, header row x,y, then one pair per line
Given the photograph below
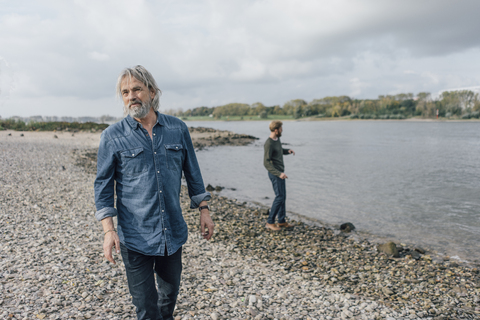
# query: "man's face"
x,y
279,131
136,97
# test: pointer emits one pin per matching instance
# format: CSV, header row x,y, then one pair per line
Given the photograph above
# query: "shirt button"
x,y
165,229
163,210
154,153
176,147
160,191
158,171
154,134
133,154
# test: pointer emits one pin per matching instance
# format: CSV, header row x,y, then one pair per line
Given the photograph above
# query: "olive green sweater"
x,y
273,156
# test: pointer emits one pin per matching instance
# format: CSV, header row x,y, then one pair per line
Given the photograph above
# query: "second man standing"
x,y
273,162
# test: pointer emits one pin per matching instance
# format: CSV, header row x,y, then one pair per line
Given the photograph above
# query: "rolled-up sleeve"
x,y
105,180
193,176
195,200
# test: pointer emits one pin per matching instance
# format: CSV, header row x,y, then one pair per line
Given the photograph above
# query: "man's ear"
x,y
152,94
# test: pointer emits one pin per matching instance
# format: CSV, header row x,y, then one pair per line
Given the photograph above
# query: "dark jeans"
x,y
153,303
278,206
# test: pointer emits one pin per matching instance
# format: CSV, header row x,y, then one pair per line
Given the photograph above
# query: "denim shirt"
x,y
148,176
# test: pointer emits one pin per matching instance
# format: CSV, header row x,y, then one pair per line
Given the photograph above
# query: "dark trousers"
x,y
153,302
278,209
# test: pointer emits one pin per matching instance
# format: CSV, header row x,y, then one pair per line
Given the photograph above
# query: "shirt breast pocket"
x,y
133,162
174,155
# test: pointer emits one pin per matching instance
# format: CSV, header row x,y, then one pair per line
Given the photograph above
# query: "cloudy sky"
x,y
62,58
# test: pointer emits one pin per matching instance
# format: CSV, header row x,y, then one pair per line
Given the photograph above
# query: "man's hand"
x,y
291,151
283,176
111,240
206,224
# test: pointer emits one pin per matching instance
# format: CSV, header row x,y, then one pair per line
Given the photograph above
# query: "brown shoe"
x,y
286,225
272,227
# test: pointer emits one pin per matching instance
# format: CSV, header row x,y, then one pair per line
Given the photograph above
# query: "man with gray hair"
x,y
141,159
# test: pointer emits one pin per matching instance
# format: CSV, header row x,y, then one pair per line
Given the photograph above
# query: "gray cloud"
x,y
66,55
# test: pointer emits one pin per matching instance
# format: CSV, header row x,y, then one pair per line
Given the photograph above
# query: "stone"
x,y
420,250
387,291
389,248
252,312
415,255
347,227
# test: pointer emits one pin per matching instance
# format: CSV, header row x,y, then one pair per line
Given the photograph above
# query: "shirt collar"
x,y
135,124
132,122
160,118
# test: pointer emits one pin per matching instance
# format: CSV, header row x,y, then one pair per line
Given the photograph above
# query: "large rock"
x,y
389,248
347,227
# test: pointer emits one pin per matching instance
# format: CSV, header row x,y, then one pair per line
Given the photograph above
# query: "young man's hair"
x,y
141,74
275,124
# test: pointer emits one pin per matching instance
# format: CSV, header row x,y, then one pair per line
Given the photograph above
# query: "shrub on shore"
x,y
51,126
375,116
472,115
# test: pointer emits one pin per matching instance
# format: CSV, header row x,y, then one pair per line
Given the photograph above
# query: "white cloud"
x,y
7,81
357,86
99,56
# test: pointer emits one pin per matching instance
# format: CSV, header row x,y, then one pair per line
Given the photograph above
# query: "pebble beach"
x,y
52,264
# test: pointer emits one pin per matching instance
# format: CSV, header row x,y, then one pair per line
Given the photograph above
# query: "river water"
x,y
413,182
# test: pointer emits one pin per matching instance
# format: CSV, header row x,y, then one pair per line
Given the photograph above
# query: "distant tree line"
x,y
458,104
19,125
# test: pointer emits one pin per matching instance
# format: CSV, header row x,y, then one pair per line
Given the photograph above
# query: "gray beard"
x,y
137,112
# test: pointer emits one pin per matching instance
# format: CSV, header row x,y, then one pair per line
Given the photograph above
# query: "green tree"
x,y
307,110
368,106
403,96
277,110
331,106
297,111
231,109
294,107
423,96
455,102
258,108
408,106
